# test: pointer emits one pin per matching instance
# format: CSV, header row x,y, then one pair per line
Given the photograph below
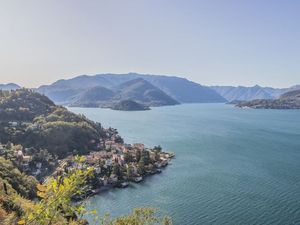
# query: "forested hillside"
x,y
32,120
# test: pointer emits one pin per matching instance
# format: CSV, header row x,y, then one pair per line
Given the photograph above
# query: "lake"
x,y
232,166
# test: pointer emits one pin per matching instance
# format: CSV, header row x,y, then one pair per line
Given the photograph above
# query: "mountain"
x,y
288,100
183,90
241,93
8,87
143,92
294,88
137,90
291,95
93,97
129,105
180,89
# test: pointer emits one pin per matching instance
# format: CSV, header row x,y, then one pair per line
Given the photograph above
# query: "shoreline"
x,y
116,165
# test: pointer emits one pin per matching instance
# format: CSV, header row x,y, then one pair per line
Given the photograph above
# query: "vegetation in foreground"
x,y
55,206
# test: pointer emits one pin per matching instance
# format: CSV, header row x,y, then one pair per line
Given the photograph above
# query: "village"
x,y
115,164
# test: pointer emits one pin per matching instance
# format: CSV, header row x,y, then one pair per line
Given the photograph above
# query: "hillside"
x,y
289,100
143,92
23,105
180,89
137,90
34,121
292,95
93,97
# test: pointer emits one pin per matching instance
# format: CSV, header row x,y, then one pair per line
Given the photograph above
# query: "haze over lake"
x,y
232,166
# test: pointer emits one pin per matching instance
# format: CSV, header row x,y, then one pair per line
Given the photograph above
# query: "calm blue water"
x,y
232,166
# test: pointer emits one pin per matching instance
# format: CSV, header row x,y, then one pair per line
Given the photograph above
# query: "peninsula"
x,y
41,139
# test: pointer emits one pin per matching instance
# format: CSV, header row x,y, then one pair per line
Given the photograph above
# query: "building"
x,y
139,146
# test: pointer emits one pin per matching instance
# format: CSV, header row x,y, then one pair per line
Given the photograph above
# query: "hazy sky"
x,y
224,42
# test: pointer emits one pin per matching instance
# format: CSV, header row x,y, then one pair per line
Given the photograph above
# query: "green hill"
x,y
93,97
129,105
32,120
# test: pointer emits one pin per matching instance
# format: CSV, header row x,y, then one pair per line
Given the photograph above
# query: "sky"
x,y
212,42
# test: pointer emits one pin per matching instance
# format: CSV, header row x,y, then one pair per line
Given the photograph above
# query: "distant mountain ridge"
x,y
138,90
179,89
288,100
241,93
144,92
9,87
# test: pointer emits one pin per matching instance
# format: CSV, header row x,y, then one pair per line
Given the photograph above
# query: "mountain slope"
x,y
143,92
183,90
293,95
23,105
93,97
32,120
180,89
244,93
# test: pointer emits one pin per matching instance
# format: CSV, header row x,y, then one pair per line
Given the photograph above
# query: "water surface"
x,y
232,166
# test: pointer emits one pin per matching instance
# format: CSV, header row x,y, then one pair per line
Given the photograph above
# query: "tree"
x,y
129,172
56,208
141,167
128,157
139,216
145,157
116,170
157,148
138,155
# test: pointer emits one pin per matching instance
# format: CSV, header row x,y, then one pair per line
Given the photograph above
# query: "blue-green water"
x,y
232,166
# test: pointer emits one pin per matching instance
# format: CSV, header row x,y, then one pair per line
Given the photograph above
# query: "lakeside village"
x,y
116,164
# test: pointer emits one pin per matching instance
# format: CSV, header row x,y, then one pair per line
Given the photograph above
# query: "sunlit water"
x,y
232,166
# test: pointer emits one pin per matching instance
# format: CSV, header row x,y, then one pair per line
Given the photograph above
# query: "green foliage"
x,y
42,124
128,157
145,157
23,105
138,216
116,170
129,172
157,148
55,206
23,184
